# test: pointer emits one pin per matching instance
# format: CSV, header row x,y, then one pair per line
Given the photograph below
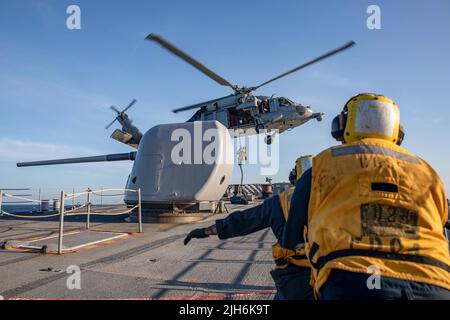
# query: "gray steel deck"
x,y
154,264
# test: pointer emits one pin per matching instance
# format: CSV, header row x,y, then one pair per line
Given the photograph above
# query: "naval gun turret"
x,y
177,166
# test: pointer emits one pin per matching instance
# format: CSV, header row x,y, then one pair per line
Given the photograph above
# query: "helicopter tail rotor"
x,y
130,105
109,125
120,113
113,108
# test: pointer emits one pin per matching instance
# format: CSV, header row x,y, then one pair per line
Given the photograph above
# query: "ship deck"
x,y
152,265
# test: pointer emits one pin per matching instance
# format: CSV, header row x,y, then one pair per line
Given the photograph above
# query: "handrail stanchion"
x,y
40,202
73,198
88,216
140,210
61,223
1,199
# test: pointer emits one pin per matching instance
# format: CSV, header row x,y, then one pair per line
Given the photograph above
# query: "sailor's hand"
x,y
196,233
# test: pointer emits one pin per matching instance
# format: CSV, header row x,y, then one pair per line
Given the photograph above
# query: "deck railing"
x,y
74,211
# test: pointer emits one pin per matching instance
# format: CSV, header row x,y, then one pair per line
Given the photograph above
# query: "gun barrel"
x,y
103,158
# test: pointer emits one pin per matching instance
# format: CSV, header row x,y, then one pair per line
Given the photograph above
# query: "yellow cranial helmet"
x,y
368,115
302,164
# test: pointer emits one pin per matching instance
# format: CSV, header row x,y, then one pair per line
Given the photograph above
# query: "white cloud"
x,y
27,150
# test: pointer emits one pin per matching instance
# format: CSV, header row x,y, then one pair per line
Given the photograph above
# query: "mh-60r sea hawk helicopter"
x,y
241,112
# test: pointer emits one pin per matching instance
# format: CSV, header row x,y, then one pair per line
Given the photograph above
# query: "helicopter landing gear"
x,y
259,127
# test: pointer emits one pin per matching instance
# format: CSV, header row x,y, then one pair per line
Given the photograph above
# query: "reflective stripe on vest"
x,y
378,150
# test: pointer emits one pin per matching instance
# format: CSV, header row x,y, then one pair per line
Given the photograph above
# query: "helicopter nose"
x,y
302,110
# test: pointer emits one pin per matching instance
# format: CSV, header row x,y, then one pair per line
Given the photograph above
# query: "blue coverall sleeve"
x,y
241,223
298,213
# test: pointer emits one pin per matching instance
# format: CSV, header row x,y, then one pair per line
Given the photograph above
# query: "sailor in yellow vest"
x,y
371,213
292,272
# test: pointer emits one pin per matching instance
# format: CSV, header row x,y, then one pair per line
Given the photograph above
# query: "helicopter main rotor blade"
x,y
109,125
114,109
190,60
322,57
200,105
185,108
130,105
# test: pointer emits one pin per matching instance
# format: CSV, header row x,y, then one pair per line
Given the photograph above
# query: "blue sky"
x,y
56,85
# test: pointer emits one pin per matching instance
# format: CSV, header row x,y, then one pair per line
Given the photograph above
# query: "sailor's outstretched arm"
x,y
244,222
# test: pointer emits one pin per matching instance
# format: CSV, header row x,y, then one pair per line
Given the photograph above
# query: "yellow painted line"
x,y
91,245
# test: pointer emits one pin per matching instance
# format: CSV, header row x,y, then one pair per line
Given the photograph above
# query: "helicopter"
x,y
242,112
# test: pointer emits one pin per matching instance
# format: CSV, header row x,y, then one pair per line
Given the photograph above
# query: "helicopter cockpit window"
x,y
285,102
264,106
197,116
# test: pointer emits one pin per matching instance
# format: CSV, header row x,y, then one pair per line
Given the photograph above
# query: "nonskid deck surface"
x,y
152,265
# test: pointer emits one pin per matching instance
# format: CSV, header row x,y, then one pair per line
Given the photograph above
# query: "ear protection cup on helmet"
x,y
338,126
293,176
401,134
